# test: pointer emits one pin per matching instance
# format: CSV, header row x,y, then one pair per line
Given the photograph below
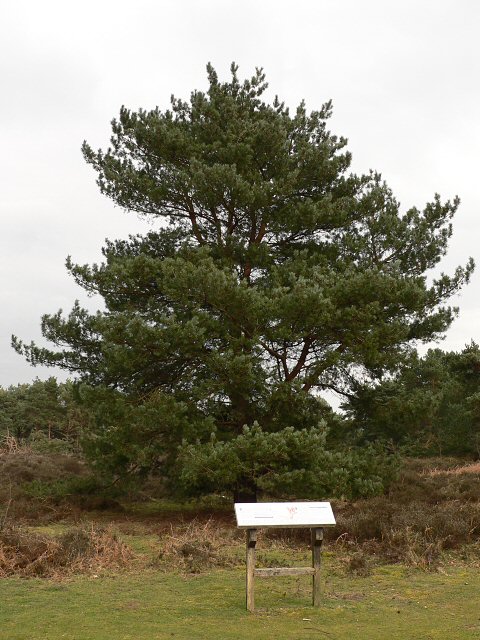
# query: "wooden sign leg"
x,y
251,543
317,539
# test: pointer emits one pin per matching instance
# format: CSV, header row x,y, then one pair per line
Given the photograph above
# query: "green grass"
x,y
393,603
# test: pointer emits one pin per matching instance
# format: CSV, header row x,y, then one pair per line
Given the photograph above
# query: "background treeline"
x,y
431,408
44,413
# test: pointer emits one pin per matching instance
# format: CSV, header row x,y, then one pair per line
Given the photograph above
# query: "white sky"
x,y
403,77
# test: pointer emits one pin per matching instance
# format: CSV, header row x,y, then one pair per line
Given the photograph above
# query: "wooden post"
x,y
251,543
317,539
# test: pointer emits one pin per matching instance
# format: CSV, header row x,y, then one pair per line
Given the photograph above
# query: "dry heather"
x,y
25,465
21,468
430,510
458,470
197,546
79,550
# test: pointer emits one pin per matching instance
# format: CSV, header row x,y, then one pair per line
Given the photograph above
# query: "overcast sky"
x,y
403,77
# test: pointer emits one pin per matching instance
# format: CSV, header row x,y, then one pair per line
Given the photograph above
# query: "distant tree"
x,y
30,407
41,406
275,274
432,407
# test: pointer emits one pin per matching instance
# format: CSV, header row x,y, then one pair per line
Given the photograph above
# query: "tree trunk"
x,y
246,492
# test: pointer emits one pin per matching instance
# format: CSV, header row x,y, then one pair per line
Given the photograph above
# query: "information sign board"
x,y
284,515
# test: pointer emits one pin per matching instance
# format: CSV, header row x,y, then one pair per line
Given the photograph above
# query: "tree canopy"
x,y
431,407
40,407
274,273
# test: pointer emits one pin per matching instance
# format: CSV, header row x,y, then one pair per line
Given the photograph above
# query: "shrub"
x,y
79,550
196,546
39,442
286,463
426,513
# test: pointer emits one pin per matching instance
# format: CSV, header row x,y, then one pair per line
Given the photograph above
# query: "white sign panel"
x,y
253,515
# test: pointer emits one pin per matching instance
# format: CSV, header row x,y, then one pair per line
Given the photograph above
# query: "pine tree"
x,y
274,274
431,408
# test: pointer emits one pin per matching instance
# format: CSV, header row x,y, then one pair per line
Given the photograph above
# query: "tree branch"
x,y
301,361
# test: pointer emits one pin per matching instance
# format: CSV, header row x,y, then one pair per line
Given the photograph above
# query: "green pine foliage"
x,y
274,273
286,463
432,407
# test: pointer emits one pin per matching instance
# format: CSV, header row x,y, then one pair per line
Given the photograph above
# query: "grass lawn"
x,y
393,603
